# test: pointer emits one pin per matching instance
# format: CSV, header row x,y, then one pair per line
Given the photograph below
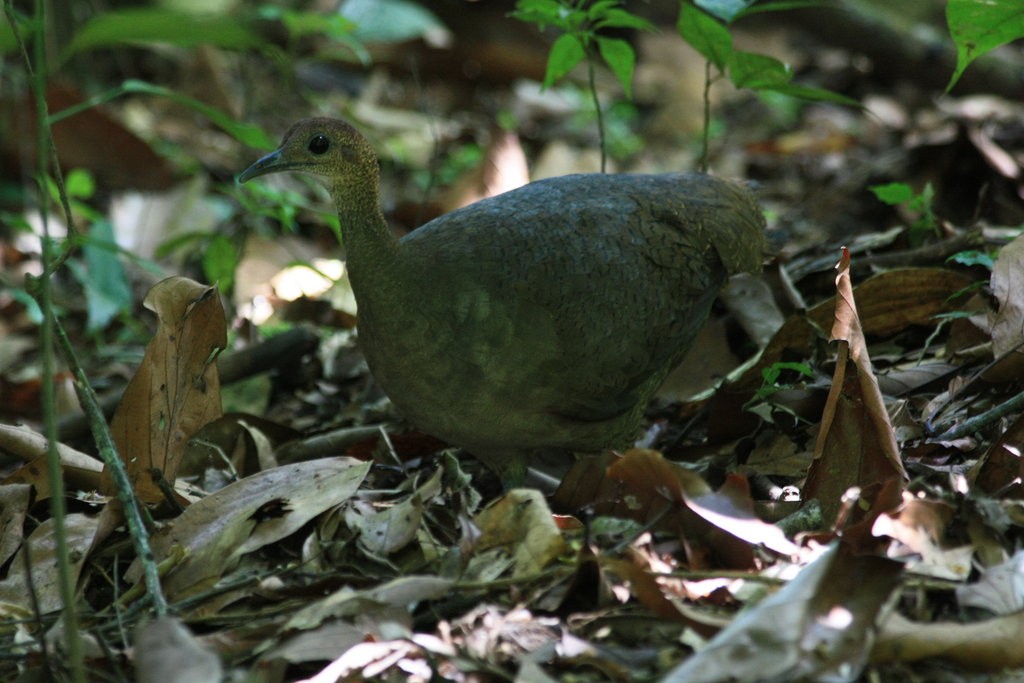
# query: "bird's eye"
x,y
319,144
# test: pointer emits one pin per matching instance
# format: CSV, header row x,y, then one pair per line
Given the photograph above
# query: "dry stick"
x,y
946,426
44,141
972,425
108,451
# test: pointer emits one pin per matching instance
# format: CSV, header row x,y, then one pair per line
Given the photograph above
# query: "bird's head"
x,y
327,148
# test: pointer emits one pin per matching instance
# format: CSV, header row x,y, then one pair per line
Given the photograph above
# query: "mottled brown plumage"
x,y
545,317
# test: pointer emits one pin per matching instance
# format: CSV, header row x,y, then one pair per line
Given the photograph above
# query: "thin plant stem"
x,y
706,140
44,145
122,483
597,109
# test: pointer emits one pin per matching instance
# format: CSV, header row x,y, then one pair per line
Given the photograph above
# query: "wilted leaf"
x,y
21,598
1008,328
856,443
248,514
817,627
522,524
167,652
176,390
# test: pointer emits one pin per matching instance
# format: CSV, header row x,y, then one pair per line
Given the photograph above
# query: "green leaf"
x,y
756,71
389,21
620,18
706,35
565,54
812,94
219,261
784,5
619,56
972,258
79,184
107,291
248,134
726,10
893,194
978,26
153,25
540,12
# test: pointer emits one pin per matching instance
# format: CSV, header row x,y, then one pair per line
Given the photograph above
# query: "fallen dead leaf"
x,y
176,390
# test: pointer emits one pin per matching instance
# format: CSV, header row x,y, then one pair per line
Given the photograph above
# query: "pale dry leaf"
x,y
247,515
1008,327
16,595
521,523
167,652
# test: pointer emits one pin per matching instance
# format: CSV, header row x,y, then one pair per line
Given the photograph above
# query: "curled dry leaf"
x,y
176,390
521,522
819,626
856,445
1008,326
220,529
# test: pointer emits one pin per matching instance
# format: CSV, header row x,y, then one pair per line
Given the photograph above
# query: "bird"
x,y
541,319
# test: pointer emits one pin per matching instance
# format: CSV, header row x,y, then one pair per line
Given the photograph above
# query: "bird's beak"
x,y
268,164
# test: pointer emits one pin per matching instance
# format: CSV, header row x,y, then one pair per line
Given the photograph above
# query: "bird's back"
x,y
559,307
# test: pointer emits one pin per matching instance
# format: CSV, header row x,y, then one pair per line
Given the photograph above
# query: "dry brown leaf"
x,y
218,530
856,443
176,390
818,625
391,527
919,526
892,301
14,501
521,522
167,652
1001,470
1008,327
992,645
42,596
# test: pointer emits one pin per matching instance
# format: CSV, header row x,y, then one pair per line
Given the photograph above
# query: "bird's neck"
x,y
371,250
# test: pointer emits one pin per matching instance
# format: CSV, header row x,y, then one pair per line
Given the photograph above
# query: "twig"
x,y
47,152
122,484
964,389
972,425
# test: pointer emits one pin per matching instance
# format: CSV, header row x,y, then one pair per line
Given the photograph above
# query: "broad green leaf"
x,y
246,133
107,291
978,26
219,261
812,94
784,5
540,12
705,34
300,24
565,54
726,10
972,258
7,42
752,70
893,193
619,56
152,25
620,18
389,21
